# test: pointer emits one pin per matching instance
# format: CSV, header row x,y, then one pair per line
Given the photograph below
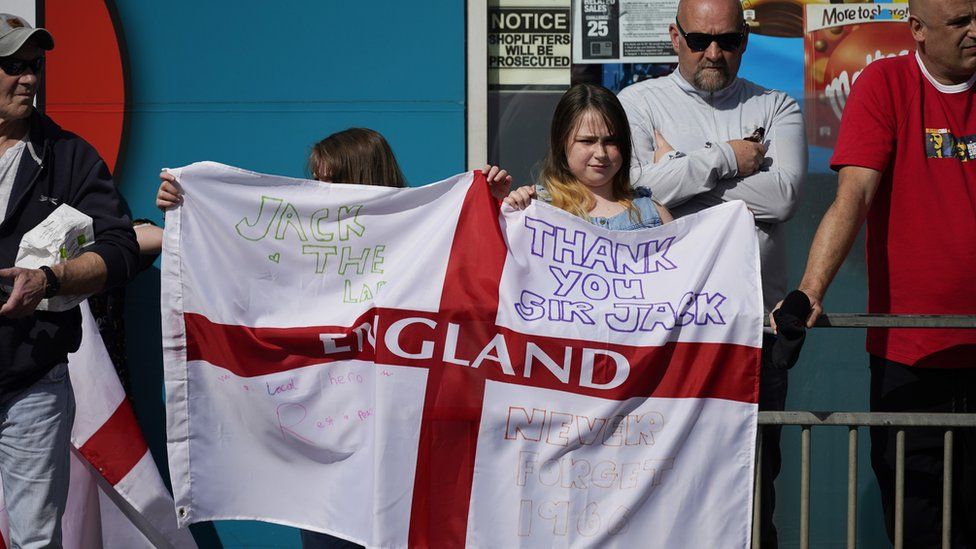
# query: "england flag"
x,y
422,367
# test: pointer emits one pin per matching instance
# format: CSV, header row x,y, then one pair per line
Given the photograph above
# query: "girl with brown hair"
x,y
355,155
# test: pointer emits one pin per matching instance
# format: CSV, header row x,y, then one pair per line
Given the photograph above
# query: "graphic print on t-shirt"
x,y
940,143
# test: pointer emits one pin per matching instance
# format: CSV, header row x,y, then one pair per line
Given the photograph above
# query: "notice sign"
x,y
839,41
528,45
623,31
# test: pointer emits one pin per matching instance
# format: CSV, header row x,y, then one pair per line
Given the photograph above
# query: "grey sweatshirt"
x,y
701,171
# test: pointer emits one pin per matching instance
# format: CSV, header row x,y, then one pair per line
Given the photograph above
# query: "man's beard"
x,y
714,80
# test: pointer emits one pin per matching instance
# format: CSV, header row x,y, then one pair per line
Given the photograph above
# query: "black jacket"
x,y
69,172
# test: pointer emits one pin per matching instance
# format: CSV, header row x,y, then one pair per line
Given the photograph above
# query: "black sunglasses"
x,y
699,41
16,67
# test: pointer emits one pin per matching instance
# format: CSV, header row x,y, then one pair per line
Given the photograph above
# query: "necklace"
x,y
608,209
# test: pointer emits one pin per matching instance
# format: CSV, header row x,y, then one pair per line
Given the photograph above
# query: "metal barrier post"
x,y
900,489
757,492
805,487
852,488
947,491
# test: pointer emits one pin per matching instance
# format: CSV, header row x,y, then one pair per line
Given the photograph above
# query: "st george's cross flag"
x,y
116,497
422,367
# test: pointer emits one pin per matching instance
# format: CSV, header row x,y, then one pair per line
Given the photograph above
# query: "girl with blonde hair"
x,y
586,171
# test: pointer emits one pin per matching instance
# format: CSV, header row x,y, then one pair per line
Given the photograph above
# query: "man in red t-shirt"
x,y
906,156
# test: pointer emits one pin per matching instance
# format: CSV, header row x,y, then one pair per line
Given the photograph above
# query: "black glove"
x,y
791,325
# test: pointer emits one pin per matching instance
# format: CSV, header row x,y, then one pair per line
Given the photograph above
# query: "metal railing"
x,y
854,420
869,320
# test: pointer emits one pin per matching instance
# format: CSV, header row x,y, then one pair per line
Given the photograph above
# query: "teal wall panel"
x,y
255,83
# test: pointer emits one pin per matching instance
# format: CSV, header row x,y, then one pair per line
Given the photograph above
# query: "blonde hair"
x,y
566,191
356,155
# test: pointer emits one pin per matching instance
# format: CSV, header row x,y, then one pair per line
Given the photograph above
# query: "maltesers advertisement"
x,y
839,41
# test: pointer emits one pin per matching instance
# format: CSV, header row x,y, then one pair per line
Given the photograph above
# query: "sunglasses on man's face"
x,y
16,67
699,41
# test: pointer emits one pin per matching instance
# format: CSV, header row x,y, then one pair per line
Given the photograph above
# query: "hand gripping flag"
x,y
419,368
116,498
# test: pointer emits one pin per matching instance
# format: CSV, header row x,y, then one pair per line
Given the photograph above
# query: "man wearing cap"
x,y
42,167
702,137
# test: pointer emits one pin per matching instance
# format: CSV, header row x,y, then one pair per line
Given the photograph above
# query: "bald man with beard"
x,y
906,157
702,137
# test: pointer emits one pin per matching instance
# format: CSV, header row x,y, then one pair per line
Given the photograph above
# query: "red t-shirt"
x,y
921,239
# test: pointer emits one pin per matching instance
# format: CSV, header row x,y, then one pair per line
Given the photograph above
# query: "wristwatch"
x,y
53,284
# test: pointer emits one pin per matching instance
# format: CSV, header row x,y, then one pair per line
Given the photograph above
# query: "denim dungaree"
x,y
622,221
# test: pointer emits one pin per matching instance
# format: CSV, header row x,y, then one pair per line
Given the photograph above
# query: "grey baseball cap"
x,y
15,31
